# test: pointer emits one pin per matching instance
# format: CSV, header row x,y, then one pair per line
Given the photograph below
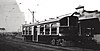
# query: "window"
x,y
30,30
23,32
26,30
53,25
47,26
41,30
53,30
64,21
47,31
73,21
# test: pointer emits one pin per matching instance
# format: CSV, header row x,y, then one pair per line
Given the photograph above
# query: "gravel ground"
x,y
16,45
7,45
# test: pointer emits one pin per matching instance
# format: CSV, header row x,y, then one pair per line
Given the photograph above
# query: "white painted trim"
x,y
58,25
38,32
32,30
68,20
44,29
32,33
28,30
25,31
50,30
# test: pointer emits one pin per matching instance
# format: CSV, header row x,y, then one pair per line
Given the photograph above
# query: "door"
x,y
35,33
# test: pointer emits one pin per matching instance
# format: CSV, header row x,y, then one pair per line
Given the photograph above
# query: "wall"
x,y
11,17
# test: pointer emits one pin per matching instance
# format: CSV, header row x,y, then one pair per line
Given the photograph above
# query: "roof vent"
x,y
45,20
57,17
51,18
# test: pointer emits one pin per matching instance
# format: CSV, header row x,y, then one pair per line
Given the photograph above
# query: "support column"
x,y
50,30
28,30
25,31
68,20
32,30
58,25
44,30
38,32
32,33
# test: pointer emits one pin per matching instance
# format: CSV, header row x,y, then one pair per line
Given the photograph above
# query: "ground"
x,y
16,45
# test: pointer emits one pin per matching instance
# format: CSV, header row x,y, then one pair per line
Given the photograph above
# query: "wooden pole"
x,y
32,12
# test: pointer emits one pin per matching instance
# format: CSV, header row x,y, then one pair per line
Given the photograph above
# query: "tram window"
x,y
30,30
35,30
47,31
53,30
53,25
73,21
41,30
26,30
64,22
23,31
47,26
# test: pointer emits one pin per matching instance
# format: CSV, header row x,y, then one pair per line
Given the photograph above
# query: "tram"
x,y
66,30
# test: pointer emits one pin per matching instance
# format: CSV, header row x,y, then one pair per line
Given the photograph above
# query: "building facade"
x,y
11,18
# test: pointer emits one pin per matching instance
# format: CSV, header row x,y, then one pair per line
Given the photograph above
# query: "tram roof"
x,y
86,18
47,21
56,19
29,24
51,20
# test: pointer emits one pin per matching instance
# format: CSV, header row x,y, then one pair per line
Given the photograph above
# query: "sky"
x,y
45,9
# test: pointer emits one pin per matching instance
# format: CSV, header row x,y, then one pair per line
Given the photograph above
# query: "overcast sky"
x,y
45,9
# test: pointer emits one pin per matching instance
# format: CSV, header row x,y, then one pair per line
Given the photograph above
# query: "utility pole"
x,y
32,12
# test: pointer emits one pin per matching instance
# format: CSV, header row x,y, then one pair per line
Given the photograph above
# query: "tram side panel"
x,y
27,33
71,26
68,31
47,32
51,32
